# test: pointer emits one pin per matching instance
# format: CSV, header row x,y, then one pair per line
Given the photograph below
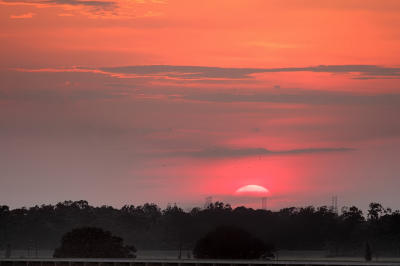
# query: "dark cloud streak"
x,y
59,96
223,152
203,72
296,97
94,4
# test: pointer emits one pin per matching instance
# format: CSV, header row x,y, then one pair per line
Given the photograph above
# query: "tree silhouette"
x,y
92,242
375,211
228,242
149,227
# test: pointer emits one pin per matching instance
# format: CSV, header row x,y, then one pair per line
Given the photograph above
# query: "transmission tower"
x,y
334,204
207,202
264,203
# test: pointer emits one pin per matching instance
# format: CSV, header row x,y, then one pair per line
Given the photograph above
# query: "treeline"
x,y
149,227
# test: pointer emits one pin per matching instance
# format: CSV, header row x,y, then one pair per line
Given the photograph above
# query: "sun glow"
x,y
252,189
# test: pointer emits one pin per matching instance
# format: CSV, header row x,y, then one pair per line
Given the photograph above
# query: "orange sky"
x,y
173,101
210,33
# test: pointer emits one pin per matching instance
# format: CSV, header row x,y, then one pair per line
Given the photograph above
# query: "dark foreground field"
x,y
282,255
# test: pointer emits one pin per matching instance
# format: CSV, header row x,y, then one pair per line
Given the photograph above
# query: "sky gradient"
x,y
125,102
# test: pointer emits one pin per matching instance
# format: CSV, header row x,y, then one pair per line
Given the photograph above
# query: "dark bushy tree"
x,y
228,242
93,242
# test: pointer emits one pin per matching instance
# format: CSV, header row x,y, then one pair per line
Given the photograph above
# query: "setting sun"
x,y
252,189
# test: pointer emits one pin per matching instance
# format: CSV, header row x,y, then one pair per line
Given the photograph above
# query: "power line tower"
x,y
264,203
207,202
334,204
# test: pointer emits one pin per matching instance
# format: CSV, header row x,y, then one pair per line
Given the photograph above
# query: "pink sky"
x,y
125,102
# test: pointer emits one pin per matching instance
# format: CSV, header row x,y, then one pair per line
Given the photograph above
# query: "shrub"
x,y
228,242
92,242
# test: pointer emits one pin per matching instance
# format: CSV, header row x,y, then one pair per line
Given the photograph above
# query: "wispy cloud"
x,y
225,152
22,16
298,96
88,3
59,96
110,9
204,72
65,15
112,76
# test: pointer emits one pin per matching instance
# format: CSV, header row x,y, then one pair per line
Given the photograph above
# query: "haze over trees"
x,y
149,227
